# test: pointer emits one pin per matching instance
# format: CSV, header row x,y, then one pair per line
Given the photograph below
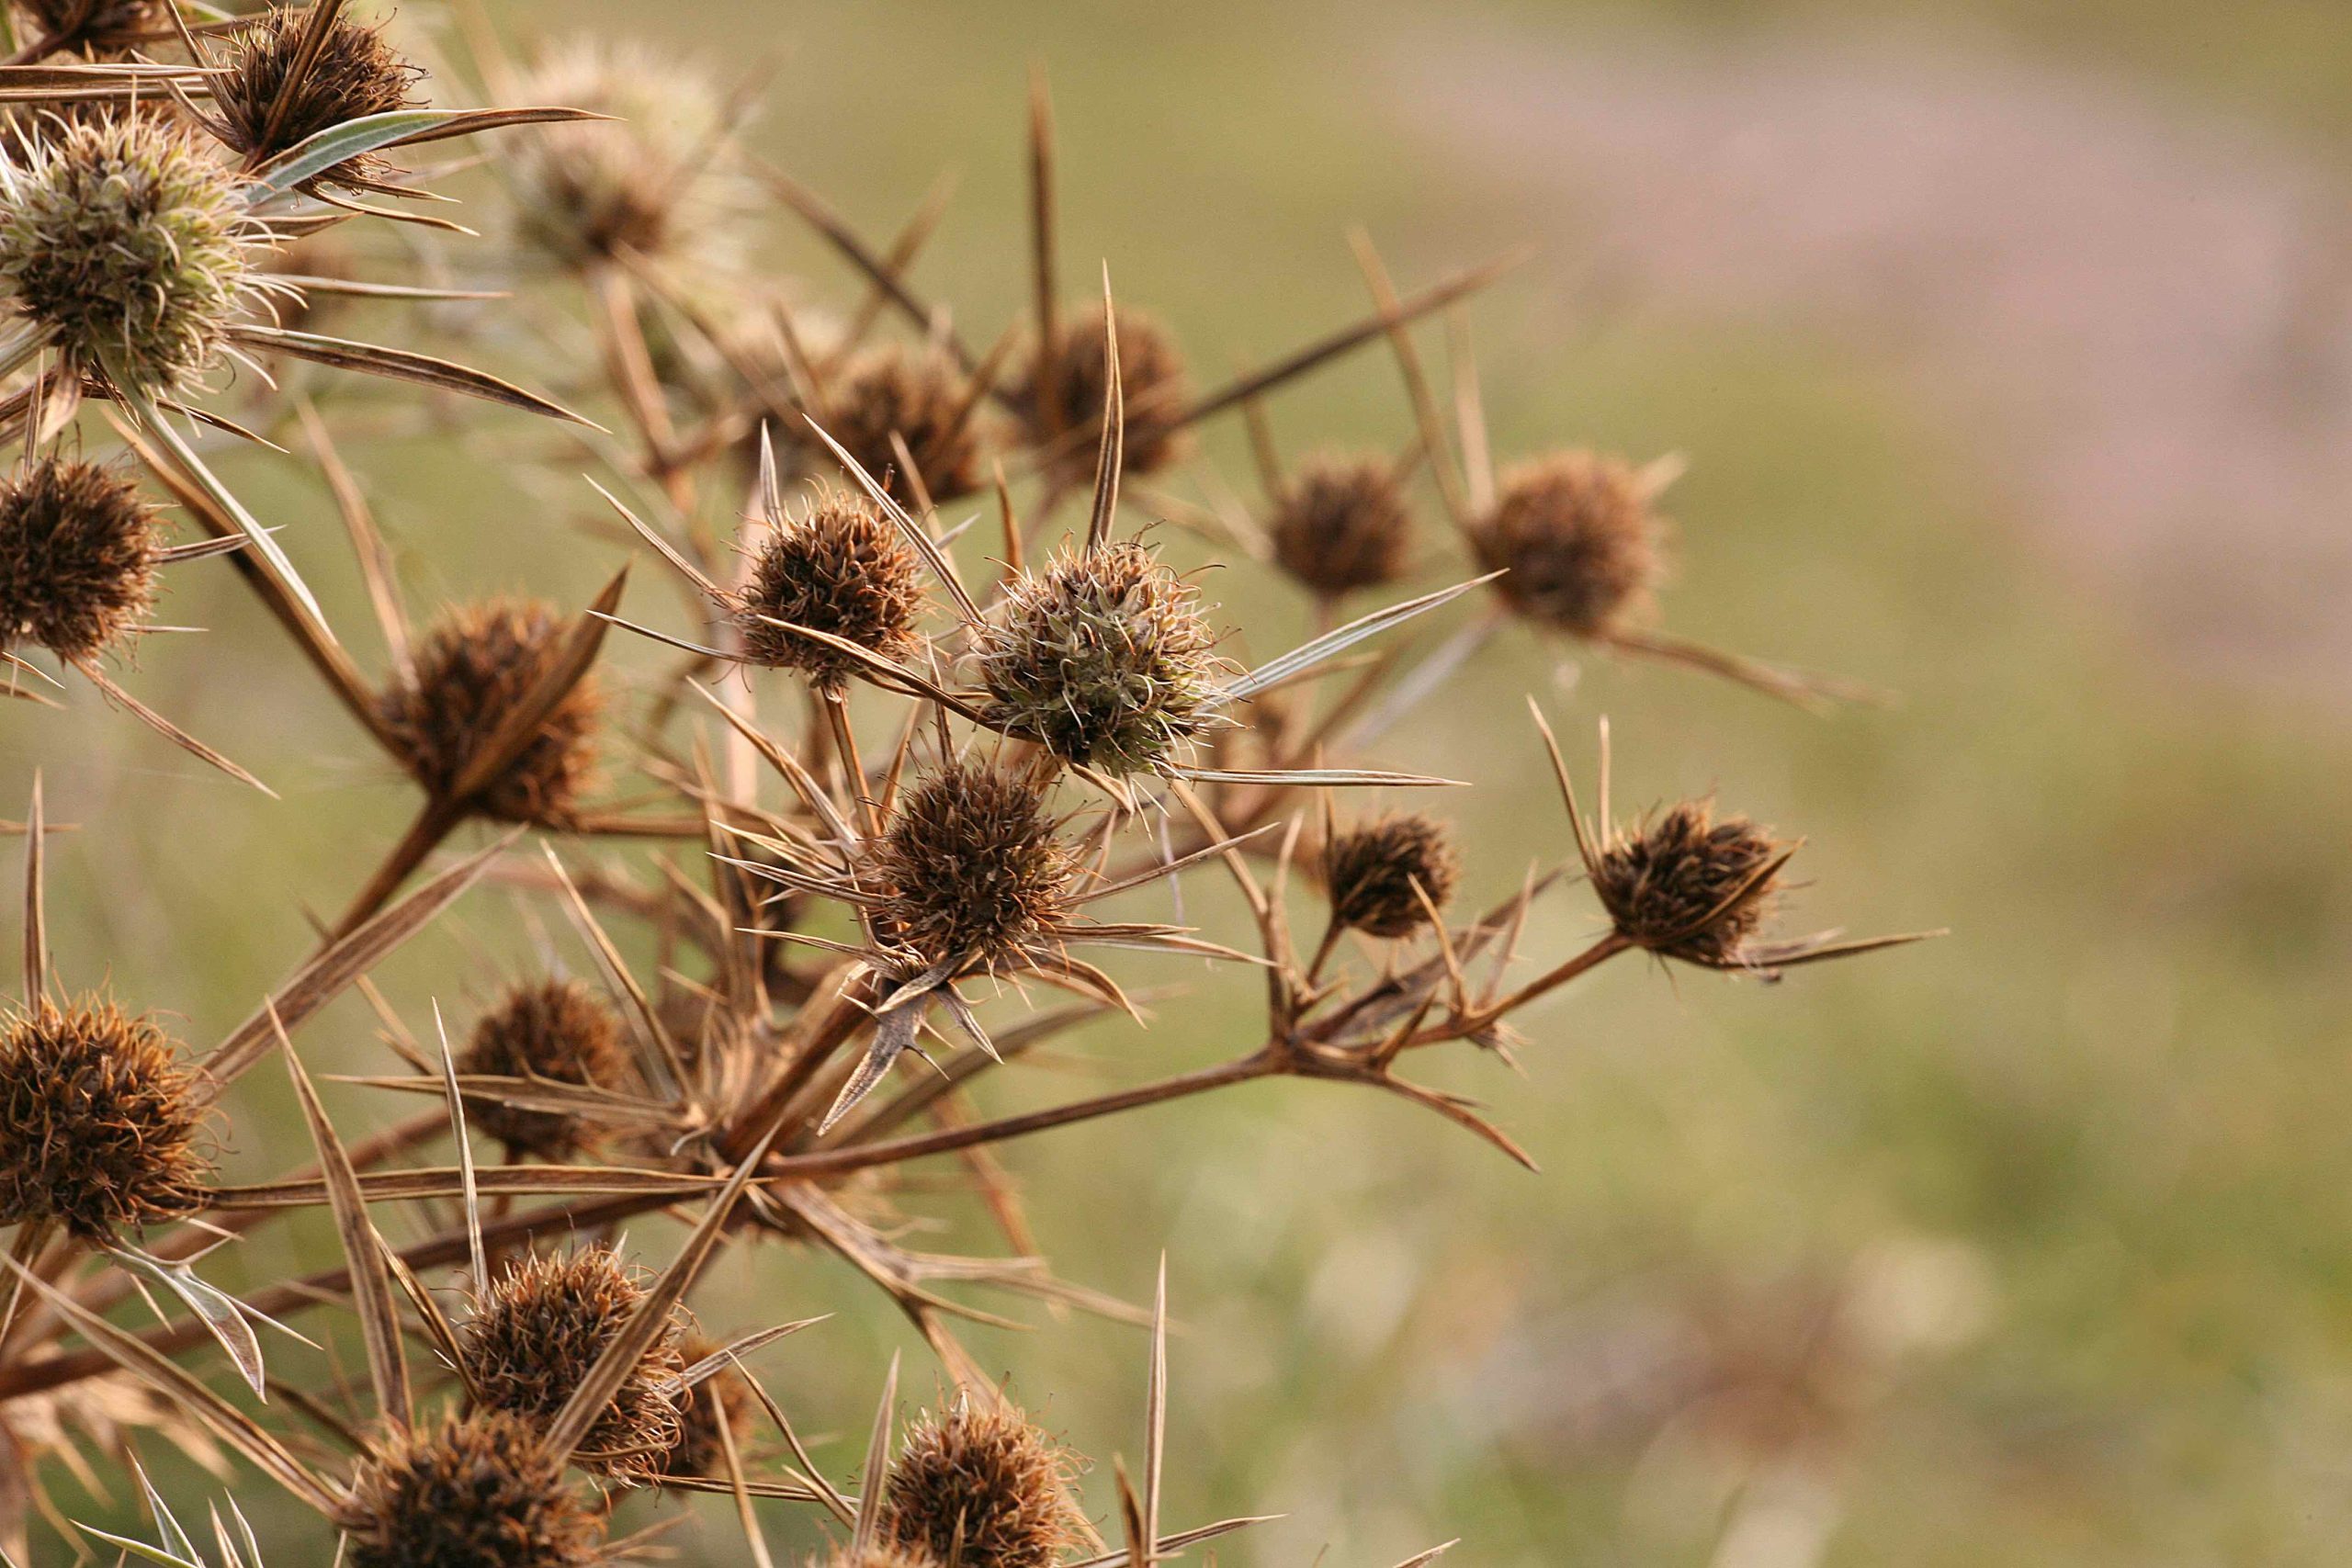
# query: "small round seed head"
x,y
1370,869
971,868
557,1030
839,566
100,27
355,73
1153,385
1688,885
982,1488
99,1122
720,1400
121,238
471,670
1340,524
539,1328
920,395
1104,659
878,1554
77,557
1577,536
473,1492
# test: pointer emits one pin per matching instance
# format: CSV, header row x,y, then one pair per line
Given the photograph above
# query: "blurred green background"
x,y
2005,341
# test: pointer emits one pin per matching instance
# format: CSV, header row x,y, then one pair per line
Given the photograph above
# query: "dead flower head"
x,y
1688,884
984,1488
354,73
1371,869
1340,524
970,872
1064,398
557,1030
99,29
837,567
473,1492
78,546
1577,534
917,394
717,1401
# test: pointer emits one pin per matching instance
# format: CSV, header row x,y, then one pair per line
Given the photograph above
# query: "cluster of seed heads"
x,y
100,1122
77,557
834,565
556,1031
1576,534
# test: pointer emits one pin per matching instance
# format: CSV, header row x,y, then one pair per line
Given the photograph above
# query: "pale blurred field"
x,y
2079,1173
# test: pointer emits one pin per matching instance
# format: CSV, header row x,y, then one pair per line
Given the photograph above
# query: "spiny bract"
x,y
77,557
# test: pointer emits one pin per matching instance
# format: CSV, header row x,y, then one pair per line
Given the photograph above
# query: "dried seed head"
x,y
469,673
1153,386
1370,869
539,1328
77,557
971,869
879,1554
1103,658
100,27
982,1488
718,1400
837,567
98,1121
121,239
557,1030
355,74
918,393
1686,886
1579,540
473,1492
1340,524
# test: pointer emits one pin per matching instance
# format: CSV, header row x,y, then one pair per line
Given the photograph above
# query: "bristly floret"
x,y
1371,871
1065,415
1577,534
920,395
1103,658
1686,885
1340,524
100,27
556,1031
982,1488
720,1400
538,1329
878,1554
473,1492
355,73
124,240
469,674
971,872
77,557
842,567
98,1121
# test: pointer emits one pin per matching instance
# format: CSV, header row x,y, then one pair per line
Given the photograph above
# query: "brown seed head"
x,y
100,27
1340,524
557,1030
982,1488
1153,386
971,868
839,566
77,557
1686,886
473,1492
1370,870
718,1400
1577,536
539,1328
98,1121
880,1554
918,393
356,74
469,673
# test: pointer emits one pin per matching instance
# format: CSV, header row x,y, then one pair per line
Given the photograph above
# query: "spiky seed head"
x,y
720,1400
918,393
539,1328
971,868
1153,384
1370,870
355,73
836,565
122,239
99,1122
471,1493
100,29
1577,534
1686,885
1104,659
77,557
555,1029
982,1488
878,1554
471,670
1340,524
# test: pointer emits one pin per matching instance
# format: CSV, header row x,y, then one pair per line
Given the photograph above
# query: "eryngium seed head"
x,y
1340,524
557,1030
1103,658
469,674
77,557
920,396
842,567
1065,415
982,1488
539,1328
98,1121
473,1492
1575,533
1686,886
877,1554
355,73
100,26
971,868
720,1400
121,239
1370,869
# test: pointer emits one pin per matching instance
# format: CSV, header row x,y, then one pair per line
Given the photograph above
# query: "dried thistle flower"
x,y
920,395
1340,524
1688,885
970,872
541,1325
98,27
719,1400
1063,402
1577,536
877,1554
839,566
1103,658
98,1121
354,73
557,1030
982,1488
473,1492
78,546
1370,869
471,670
123,241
